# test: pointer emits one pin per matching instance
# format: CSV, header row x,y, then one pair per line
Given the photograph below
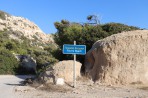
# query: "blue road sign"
x,y
74,49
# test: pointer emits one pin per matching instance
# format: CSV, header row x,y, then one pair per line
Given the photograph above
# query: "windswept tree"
x,y
93,19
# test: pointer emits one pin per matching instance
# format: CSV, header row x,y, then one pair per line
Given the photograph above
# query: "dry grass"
x,y
140,85
56,88
83,79
143,88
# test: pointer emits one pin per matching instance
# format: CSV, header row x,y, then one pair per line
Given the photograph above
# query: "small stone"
x,y
60,81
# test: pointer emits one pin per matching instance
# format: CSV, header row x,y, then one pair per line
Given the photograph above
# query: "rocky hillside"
x,y
119,59
20,37
19,26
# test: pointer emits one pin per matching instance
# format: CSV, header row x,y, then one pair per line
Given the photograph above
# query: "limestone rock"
x,y
61,70
119,59
60,81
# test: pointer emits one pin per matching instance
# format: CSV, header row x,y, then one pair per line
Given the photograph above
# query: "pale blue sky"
x,y
45,12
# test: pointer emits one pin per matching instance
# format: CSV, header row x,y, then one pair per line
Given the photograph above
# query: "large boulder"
x,y
61,70
119,59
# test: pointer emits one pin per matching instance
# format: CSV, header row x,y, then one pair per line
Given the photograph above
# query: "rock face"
x,y
63,69
119,59
27,63
19,26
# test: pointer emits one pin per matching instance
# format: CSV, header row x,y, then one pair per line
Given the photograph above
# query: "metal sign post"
x,y
74,49
74,69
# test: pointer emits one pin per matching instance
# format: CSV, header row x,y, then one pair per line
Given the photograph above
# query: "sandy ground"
x,y
11,87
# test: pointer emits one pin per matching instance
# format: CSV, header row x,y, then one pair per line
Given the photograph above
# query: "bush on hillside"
x,y
9,46
8,63
43,58
2,15
113,28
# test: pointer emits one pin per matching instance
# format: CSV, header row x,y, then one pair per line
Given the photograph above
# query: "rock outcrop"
x,y
119,59
60,70
19,26
27,63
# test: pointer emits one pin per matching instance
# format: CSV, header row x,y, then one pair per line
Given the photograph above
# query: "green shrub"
x,y
43,58
8,63
10,46
113,28
2,15
84,34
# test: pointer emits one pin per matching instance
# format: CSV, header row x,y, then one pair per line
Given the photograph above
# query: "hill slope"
x,y
19,26
21,37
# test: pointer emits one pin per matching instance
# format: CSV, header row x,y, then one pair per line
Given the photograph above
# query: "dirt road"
x,y
8,83
10,87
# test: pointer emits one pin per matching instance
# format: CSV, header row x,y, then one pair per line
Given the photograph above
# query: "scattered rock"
x,y
60,81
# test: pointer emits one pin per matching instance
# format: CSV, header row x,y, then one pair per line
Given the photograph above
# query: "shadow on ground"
x,y
22,81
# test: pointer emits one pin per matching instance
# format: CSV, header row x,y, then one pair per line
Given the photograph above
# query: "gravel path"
x,y
10,87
